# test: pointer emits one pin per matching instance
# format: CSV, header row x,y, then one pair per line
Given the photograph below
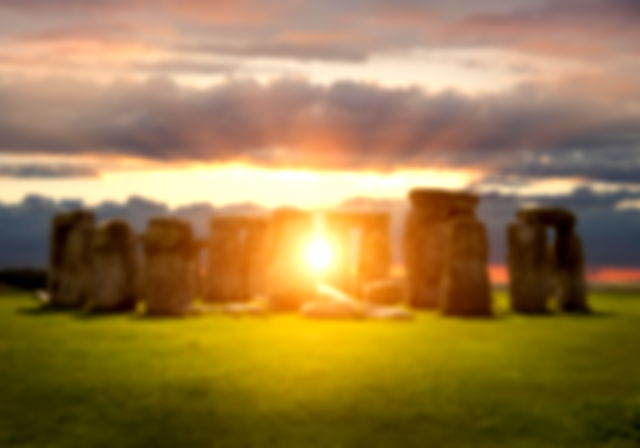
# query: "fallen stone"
x,y
385,292
389,313
323,309
241,309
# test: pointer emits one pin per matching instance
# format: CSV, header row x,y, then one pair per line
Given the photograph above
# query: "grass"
x,y
121,381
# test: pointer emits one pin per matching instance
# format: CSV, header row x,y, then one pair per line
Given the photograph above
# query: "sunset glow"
x,y
235,183
319,254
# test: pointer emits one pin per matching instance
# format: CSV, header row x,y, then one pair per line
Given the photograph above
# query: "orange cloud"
x,y
614,275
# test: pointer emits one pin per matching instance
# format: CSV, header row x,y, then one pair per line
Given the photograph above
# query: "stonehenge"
x,y
540,270
169,263
249,260
70,258
446,253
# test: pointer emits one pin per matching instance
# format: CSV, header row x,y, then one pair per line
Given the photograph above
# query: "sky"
x,y
293,102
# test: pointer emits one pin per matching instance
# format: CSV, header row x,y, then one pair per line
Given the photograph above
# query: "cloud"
x,y
291,122
46,171
607,164
303,46
582,29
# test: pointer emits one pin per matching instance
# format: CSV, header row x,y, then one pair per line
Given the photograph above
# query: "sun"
x,y
319,254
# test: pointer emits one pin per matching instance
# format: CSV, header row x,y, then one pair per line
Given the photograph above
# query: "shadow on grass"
x,y
556,314
588,315
43,310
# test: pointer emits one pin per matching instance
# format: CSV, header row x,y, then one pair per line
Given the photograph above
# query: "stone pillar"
x,y
169,249
256,257
528,260
343,273
362,249
539,270
424,249
572,288
375,248
114,268
425,241
290,281
226,259
236,258
70,258
466,290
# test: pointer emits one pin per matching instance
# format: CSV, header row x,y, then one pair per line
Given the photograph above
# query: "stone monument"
x,y
446,253
236,258
70,258
114,268
540,270
169,262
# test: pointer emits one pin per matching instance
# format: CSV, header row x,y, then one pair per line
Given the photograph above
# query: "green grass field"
x,y
121,381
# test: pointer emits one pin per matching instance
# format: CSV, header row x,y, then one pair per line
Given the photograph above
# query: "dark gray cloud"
x,y
619,164
46,171
345,125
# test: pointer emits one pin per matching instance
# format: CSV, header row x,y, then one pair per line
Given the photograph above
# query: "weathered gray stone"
x,y
540,270
385,292
332,310
237,258
572,288
169,261
375,247
364,248
547,217
397,313
466,290
114,270
444,264
424,251
70,258
529,268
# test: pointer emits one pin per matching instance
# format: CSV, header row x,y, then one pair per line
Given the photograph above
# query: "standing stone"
x,y
226,260
236,258
344,270
114,268
375,248
290,281
529,269
169,261
572,288
255,247
424,251
362,249
540,270
427,240
466,290
70,258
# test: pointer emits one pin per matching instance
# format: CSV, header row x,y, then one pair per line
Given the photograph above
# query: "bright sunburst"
x,y
319,254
